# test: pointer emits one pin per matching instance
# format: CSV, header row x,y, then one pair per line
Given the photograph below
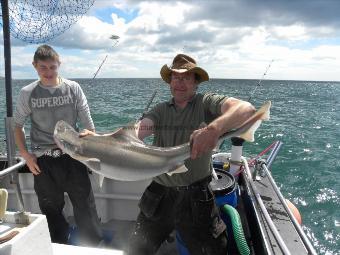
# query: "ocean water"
x,y
305,116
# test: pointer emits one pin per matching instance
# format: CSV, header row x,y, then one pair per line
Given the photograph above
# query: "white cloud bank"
x,y
230,39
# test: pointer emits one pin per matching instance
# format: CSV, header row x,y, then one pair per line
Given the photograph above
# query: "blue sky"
x,y
105,13
230,39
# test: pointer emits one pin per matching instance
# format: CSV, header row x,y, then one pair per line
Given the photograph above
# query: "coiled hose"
x,y
240,240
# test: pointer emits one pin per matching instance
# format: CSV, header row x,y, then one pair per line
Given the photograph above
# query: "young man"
x,y
45,101
184,201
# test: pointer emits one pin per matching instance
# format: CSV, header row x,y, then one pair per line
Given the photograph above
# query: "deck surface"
x,y
119,232
281,220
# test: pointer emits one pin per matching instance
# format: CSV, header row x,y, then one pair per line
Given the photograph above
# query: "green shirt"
x,y
173,126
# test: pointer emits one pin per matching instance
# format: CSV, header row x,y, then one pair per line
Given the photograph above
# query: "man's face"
x,y
183,86
47,71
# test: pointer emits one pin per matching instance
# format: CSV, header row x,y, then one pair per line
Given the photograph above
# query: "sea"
x,y
305,116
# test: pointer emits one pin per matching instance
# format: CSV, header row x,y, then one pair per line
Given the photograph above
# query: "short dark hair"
x,y
45,52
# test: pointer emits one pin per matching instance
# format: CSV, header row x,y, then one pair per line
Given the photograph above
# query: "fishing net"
x,y
38,21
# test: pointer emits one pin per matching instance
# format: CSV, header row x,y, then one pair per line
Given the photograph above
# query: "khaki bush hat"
x,y
181,64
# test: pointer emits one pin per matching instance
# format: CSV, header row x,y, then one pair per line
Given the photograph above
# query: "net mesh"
x,y
38,21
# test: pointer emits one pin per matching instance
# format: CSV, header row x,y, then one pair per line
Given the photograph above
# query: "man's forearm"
x,y
232,118
144,128
20,140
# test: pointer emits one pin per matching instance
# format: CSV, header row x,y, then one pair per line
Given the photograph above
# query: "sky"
x,y
234,39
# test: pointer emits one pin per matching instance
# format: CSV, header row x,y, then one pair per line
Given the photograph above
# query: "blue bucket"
x,y
225,190
218,164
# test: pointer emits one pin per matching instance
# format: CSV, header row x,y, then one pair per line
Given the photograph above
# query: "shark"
x,y
121,155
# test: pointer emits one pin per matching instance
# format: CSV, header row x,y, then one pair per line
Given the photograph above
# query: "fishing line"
x,y
259,81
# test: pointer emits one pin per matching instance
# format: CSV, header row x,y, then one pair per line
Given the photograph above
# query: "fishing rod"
x,y
95,74
237,142
148,104
112,37
259,81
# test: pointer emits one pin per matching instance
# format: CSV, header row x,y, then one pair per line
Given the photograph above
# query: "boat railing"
x,y
264,166
12,172
303,236
271,224
273,153
5,172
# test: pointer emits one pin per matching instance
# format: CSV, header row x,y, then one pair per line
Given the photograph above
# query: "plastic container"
x,y
225,190
218,165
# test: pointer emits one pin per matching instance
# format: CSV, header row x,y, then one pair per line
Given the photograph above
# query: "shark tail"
x,y
265,112
249,135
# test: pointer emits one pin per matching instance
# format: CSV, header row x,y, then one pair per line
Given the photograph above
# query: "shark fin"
x,y
127,133
178,170
265,111
249,135
100,180
93,163
77,156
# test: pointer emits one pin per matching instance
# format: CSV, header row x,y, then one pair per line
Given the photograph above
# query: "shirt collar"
x,y
171,102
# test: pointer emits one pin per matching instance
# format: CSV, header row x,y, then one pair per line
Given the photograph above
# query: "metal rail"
x,y
11,169
271,224
303,236
273,153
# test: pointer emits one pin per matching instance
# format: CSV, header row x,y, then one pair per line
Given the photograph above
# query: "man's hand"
x,y
31,162
203,140
86,132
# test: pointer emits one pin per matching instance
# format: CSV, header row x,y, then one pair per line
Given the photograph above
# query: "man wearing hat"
x,y
184,201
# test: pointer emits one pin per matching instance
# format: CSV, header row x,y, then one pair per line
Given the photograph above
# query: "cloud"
x,y
232,38
89,33
268,13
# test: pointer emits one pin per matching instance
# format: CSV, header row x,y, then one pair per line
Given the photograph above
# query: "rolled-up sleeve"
x,y
213,102
154,114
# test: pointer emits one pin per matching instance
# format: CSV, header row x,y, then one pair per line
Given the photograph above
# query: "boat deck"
x,y
117,234
117,205
280,218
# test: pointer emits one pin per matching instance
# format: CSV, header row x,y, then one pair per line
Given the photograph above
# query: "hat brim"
x,y
166,73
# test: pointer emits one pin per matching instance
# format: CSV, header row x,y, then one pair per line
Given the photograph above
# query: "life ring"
x,y
294,211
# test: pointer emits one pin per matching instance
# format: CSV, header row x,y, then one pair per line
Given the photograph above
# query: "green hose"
x,y
240,240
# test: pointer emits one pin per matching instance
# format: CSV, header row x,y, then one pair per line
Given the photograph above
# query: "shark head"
x,y
66,138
